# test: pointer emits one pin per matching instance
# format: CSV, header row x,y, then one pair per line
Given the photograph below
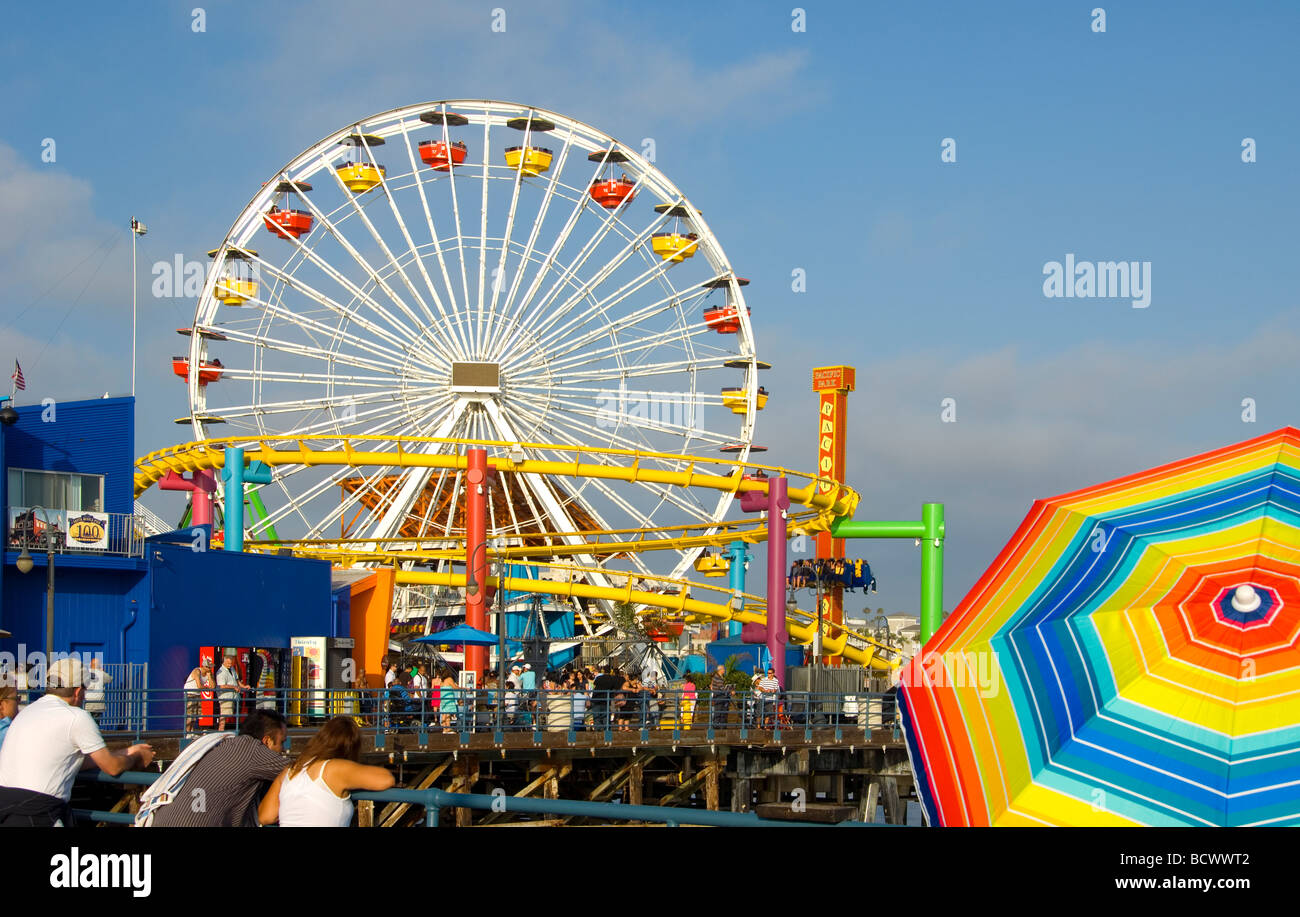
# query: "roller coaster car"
x,y
712,564
440,156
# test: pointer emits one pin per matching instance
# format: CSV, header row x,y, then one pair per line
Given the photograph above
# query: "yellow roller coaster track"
x,y
837,640
823,499
830,498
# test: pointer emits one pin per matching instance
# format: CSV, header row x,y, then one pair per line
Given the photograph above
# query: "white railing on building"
x,y
121,535
153,523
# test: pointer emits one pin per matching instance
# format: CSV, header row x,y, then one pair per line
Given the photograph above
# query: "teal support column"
x,y
235,475
738,555
931,569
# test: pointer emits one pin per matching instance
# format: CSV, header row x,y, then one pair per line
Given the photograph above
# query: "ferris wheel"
x,y
474,270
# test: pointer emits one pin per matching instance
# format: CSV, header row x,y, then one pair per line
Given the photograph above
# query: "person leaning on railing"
x,y
46,747
315,791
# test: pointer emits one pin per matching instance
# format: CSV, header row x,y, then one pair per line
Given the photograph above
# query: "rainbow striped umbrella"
x,y
1130,658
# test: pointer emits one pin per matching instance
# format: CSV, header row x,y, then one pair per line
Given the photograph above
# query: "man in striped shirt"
x,y
222,789
768,688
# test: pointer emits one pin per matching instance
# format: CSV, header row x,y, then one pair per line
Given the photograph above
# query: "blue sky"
x,y
817,150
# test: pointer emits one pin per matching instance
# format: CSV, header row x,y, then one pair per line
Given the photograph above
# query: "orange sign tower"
x,y
832,385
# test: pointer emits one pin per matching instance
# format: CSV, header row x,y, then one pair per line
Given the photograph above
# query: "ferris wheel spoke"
x,y
526,255
664,494
544,306
482,244
413,484
453,325
404,332
401,340
410,242
556,348
613,372
620,350
315,353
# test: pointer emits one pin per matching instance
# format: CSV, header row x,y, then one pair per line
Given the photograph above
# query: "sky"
x,y
817,149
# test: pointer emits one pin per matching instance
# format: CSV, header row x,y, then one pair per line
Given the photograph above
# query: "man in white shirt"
x,y
48,743
229,685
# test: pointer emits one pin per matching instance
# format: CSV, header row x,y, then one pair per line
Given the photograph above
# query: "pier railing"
x,y
434,801
457,716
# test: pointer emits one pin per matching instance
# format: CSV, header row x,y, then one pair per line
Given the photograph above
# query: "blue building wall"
x,y
88,437
159,608
224,598
93,595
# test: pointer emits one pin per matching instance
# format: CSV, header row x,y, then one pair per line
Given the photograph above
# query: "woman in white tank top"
x,y
314,792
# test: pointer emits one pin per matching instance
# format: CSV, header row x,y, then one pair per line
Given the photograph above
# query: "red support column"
x,y
476,561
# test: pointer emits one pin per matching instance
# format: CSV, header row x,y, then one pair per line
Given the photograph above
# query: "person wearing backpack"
x,y
215,781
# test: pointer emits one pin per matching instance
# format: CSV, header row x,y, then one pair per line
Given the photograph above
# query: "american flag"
x,y
19,382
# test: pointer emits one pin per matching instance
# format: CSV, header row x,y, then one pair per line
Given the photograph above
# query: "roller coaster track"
x,y
822,500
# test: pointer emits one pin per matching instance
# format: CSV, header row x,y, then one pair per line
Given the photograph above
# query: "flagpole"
x,y
133,295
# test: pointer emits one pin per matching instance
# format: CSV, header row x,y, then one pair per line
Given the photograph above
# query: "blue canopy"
x,y
462,634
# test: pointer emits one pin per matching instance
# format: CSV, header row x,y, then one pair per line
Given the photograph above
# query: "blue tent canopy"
x,y
462,634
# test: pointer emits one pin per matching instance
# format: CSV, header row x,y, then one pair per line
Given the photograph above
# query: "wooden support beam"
x,y
870,799
636,785
894,813
609,786
682,792
711,770
393,812
366,813
467,774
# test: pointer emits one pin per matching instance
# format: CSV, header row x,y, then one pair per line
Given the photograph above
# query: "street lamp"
x,y
24,564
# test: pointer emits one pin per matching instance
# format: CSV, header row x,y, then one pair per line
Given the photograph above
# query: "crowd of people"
x,y
573,697
222,779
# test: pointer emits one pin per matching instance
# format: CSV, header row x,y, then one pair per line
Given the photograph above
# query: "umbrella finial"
x,y
1246,599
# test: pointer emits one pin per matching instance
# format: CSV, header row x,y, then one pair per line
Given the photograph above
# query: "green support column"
x,y
931,569
930,532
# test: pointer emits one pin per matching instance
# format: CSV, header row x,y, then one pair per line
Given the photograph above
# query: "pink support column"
x,y
778,501
201,485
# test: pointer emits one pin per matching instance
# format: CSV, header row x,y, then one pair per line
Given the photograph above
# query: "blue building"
x,y
142,599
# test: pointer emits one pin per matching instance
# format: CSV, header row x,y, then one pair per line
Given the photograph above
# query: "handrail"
x,y
433,800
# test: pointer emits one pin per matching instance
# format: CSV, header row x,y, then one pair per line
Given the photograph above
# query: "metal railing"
x,y
456,716
434,800
123,535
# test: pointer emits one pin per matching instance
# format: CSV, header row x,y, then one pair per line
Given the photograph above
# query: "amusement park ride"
x,y
422,359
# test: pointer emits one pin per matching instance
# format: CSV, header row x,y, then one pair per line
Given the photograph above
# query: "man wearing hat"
x,y
46,746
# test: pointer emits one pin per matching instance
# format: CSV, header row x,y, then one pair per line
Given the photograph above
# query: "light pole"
x,y
24,564
137,230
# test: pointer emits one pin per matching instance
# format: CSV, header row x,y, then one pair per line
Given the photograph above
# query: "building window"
x,y
56,490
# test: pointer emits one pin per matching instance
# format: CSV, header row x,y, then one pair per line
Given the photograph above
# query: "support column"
x,y
476,486
711,783
636,785
778,502
737,555
931,569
